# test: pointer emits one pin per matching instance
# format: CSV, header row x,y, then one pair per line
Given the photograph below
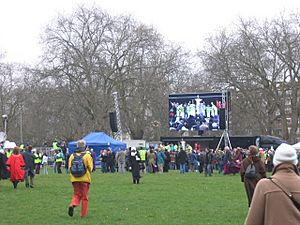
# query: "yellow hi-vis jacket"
x,y
59,157
54,146
8,154
142,153
37,158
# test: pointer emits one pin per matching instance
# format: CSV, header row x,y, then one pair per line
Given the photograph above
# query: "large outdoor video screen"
x,y
197,111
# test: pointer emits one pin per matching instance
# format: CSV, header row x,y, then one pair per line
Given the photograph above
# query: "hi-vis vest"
x,y
8,154
142,154
37,158
59,157
54,145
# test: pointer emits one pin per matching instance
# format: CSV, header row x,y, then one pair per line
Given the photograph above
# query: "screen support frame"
x,y
225,134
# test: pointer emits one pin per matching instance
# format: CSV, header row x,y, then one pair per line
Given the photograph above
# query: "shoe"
x,y
71,211
31,186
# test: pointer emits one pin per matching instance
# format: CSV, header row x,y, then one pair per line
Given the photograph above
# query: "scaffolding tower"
x,y
225,134
118,135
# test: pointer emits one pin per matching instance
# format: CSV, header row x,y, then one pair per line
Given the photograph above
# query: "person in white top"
x,y
45,163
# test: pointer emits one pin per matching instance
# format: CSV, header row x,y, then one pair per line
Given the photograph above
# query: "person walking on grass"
x,y
29,166
15,164
276,201
182,159
45,163
120,157
208,162
59,158
37,161
260,172
134,160
4,174
80,167
160,160
151,158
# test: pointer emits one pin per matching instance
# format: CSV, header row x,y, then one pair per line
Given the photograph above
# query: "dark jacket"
x,y
182,157
260,173
270,206
208,158
4,174
110,159
135,166
29,160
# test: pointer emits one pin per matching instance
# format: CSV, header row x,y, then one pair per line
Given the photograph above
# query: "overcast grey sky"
x,y
186,22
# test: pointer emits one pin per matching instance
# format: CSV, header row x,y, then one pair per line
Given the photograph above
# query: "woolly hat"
x,y
285,153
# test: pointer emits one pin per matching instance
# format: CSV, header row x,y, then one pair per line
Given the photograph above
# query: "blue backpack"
x,y
77,166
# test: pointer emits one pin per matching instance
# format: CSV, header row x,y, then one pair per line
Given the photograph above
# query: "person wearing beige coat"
x,y
270,205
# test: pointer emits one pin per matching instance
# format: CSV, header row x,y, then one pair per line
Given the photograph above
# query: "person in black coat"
x,y
167,161
4,173
110,163
134,160
182,159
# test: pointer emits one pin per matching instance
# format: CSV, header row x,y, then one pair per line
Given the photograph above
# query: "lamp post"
x,y
21,123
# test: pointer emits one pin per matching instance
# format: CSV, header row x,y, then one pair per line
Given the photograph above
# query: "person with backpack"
x,y
276,200
80,167
252,170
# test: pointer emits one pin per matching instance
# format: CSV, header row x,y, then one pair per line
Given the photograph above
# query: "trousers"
x,y
81,190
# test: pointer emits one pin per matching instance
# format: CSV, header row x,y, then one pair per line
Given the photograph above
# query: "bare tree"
x,y
90,54
10,96
260,64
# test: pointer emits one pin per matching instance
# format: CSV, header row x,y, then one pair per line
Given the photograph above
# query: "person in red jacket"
x,y
15,164
80,181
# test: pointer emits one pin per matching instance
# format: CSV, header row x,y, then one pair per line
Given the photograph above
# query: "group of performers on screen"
x,y
194,115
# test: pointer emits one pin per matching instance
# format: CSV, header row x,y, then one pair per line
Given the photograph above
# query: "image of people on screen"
x,y
194,114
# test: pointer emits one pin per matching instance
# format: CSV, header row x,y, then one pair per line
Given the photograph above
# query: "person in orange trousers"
x,y
80,182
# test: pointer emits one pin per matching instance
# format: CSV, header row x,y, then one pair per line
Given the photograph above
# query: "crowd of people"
x,y
23,163
18,165
163,158
154,159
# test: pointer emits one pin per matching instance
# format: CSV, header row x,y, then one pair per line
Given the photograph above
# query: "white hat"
x,y
285,153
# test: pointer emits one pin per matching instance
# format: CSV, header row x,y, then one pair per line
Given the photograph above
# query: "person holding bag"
x,y
252,164
276,200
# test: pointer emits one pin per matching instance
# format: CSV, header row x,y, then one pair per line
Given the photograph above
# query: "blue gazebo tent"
x,y
98,141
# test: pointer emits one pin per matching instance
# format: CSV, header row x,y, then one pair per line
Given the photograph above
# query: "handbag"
x,y
289,194
250,172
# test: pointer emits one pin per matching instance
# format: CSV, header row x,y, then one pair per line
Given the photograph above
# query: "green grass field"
x,y
160,199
